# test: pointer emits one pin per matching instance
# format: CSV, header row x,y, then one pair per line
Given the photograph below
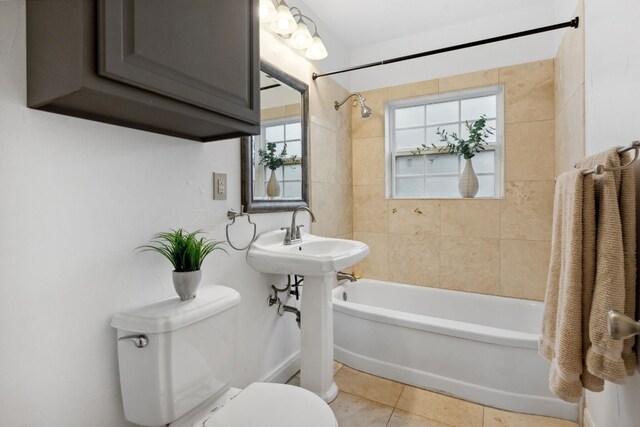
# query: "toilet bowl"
x,y
176,362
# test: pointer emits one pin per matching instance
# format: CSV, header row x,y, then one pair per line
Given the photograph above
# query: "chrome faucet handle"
x,y
287,235
298,227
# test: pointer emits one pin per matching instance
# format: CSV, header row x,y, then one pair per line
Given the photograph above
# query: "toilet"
x,y
176,361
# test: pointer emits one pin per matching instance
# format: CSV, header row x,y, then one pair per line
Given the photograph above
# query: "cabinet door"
x,y
201,52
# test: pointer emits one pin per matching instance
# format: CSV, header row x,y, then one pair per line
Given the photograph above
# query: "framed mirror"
x,y
275,163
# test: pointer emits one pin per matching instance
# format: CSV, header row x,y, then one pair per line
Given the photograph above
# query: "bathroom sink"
x,y
313,256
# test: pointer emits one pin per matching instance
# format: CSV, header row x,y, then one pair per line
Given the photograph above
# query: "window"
x,y
427,173
280,131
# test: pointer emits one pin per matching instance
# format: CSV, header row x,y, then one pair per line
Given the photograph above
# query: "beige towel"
x,y
561,339
627,197
604,356
589,381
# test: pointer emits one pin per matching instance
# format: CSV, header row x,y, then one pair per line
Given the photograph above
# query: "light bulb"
x,y
267,11
284,22
317,50
301,37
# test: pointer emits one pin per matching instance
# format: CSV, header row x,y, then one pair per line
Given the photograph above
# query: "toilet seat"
x,y
273,405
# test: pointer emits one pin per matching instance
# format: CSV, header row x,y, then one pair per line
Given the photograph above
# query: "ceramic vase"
x,y
186,283
468,184
273,186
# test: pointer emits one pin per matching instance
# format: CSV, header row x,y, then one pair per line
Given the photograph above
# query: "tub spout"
x,y
346,276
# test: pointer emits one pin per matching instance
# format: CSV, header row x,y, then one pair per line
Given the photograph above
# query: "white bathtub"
x,y
480,348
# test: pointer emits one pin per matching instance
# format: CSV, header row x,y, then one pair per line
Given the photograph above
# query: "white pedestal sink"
x,y
318,259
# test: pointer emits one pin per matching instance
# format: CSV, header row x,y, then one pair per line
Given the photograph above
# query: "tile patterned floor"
x,y
369,401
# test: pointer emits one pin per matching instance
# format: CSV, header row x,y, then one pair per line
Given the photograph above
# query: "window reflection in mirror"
x,y
274,163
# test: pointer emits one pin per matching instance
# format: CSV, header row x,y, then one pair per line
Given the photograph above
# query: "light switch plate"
x,y
219,186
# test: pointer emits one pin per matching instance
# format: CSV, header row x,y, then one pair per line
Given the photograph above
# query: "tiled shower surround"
x,y
491,246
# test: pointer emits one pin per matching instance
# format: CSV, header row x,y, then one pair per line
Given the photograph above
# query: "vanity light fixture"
x,y
291,24
301,37
316,50
284,23
267,11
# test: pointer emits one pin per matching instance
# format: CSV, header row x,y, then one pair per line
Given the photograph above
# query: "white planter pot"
x,y
468,184
186,283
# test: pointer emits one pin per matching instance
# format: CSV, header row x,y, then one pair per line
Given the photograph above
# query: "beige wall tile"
x,y
370,209
469,80
354,411
528,92
527,210
414,216
470,264
401,418
292,109
411,90
368,386
529,149
368,161
498,418
464,229
376,265
374,125
441,408
523,268
272,113
323,154
344,156
322,95
324,203
344,209
470,218
570,133
414,259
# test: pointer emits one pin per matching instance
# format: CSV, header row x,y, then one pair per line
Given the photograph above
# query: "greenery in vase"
x,y
272,160
467,148
184,250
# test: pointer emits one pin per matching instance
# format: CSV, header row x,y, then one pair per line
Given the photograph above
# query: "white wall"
x,y
512,52
76,198
612,106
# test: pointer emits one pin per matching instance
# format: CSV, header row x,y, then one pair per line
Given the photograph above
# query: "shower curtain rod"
x,y
573,23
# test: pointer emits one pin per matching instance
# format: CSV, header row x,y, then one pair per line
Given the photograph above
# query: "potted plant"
x,y
186,252
467,148
272,160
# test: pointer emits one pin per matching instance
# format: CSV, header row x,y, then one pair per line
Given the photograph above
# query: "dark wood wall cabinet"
x,y
187,68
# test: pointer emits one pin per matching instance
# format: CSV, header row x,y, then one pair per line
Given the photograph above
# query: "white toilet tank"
x,y
187,359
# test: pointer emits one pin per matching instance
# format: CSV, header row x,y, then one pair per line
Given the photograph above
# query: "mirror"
x,y
274,163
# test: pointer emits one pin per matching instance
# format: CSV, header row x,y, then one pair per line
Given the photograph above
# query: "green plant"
x,y
184,250
272,160
467,148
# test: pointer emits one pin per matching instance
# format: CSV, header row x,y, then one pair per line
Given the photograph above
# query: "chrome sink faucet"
x,y
292,234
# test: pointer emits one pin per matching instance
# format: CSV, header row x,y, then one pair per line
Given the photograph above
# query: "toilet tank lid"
x,y
171,314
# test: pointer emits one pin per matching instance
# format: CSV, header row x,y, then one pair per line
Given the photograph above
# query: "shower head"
x,y
365,111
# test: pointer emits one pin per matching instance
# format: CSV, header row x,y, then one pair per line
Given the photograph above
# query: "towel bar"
x,y
600,169
621,326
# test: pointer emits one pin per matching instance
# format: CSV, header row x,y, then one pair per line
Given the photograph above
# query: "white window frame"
x,y
260,174
391,153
